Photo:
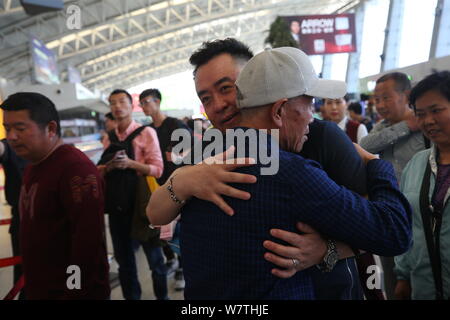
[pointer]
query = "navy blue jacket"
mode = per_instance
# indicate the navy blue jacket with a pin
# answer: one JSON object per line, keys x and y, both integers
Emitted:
{"x": 330, "y": 146}
{"x": 223, "y": 256}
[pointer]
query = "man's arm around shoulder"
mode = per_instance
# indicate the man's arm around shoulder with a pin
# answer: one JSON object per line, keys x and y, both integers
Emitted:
{"x": 381, "y": 225}
{"x": 383, "y": 136}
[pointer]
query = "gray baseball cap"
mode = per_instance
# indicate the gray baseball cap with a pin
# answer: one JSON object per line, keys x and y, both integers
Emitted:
{"x": 279, "y": 73}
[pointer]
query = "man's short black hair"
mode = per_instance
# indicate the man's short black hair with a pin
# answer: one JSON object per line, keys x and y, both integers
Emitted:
{"x": 211, "y": 49}
{"x": 190, "y": 124}
{"x": 355, "y": 107}
{"x": 40, "y": 108}
{"x": 155, "y": 93}
{"x": 348, "y": 97}
{"x": 402, "y": 82}
{"x": 364, "y": 97}
{"x": 117, "y": 91}
{"x": 438, "y": 81}
{"x": 110, "y": 116}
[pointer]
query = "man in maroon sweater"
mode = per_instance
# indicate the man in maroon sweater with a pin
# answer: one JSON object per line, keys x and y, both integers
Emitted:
{"x": 62, "y": 233}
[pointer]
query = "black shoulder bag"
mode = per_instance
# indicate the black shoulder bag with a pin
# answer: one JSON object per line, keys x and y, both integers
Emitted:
{"x": 432, "y": 220}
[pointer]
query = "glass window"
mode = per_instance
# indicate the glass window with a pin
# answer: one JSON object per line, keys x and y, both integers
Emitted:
{"x": 317, "y": 61}
{"x": 339, "y": 63}
{"x": 177, "y": 90}
{"x": 417, "y": 31}
{"x": 375, "y": 19}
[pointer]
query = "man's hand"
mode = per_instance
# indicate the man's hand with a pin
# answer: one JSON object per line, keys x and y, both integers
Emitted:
{"x": 122, "y": 162}
{"x": 402, "y": 290}
{"x": 308, "y": 248}
{"x": 209, "y": 181}
{"x": 204, "y": 181}
{"x": 411, "y": 121}
{"x": 366, "y": 156}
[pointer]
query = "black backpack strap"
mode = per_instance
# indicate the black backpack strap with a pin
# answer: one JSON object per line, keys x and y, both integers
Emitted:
{"x": 426, "y": 141}
{"x": 431, "y": 220}
{"x": 134, "y": 134}
{"x": 128, "y": 141}
{"x": 106, "y": 155}
{"x": 112, "y": 136}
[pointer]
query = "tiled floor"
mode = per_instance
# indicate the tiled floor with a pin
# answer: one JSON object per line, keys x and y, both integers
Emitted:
{"x": 116, "y": 294}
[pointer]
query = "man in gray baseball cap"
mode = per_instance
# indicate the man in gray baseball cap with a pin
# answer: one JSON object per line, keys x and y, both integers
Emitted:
{"x": 283, "y": 78}
{"x": 222, "y": 254}
{"x": 284, "y": 72}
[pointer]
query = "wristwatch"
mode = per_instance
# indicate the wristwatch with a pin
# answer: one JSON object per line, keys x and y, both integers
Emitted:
{"x": 331, "y": 257}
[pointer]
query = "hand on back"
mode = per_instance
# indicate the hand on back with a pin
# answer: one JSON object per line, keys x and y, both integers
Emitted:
{"x": 209, "y": 180}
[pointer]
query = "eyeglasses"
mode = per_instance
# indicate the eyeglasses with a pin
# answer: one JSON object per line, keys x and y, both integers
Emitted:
{"x": 143, "y": 102}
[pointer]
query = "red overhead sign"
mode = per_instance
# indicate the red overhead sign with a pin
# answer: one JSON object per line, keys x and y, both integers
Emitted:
{"x": 324, "y": 34}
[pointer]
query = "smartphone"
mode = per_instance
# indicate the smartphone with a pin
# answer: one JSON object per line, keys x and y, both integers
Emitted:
{"x": 120, "y": 155}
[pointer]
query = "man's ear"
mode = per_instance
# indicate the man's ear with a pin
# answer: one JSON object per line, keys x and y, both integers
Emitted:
{"x": 276, "y": 112}
{"x": 52, "y": 129}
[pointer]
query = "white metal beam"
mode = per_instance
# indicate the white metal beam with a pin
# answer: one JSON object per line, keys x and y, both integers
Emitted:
{"x": 9, "y": 7}
{"x": 440, "y": 44}
{"x": 352, "y": 77}
{"x": 391, "y": 49}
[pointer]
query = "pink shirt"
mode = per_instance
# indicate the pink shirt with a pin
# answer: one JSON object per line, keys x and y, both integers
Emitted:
{"x": 146, "y": 147}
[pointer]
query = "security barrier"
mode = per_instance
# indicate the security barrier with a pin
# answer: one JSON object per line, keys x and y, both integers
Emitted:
{"x": 8, "y": 262}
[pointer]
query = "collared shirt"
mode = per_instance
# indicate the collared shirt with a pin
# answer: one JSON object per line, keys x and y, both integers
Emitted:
{"x": 395, "y": 143}
{"x": 146, "y": 147}
{"x": 228, "y": 252}
{"x": 362, "y": 130}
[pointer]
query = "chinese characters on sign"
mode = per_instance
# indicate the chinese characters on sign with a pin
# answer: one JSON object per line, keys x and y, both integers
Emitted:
{"x": 324, "y": 34}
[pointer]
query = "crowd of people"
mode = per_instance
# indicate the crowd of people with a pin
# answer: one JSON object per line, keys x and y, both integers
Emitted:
{"x": 359, "y": 179}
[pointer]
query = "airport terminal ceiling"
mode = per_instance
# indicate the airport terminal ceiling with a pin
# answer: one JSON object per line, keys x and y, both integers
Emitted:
{"x": 125, "y": 43}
